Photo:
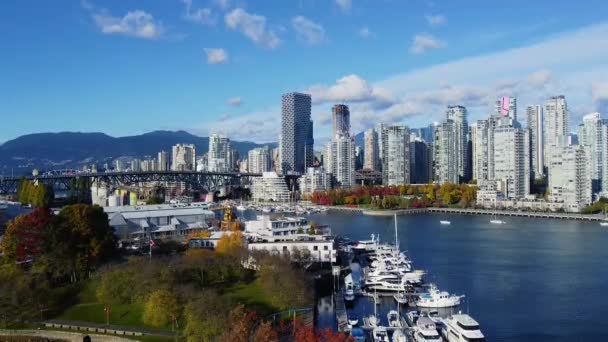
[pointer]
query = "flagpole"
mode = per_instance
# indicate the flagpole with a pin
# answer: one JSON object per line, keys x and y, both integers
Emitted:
{"x": 150, "y": 244}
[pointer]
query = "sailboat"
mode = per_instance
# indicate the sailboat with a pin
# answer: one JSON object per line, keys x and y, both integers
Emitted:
{"x": 373, "y": 320}
{"x": 496, "y": 220}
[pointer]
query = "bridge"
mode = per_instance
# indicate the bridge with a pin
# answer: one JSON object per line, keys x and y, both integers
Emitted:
{"x": 193, "y": 180}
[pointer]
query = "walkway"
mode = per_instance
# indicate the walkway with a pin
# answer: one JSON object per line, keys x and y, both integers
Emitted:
{"x": 105, "y": 329}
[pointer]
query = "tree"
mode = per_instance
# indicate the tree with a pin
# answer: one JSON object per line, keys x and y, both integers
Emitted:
{"x": 26, "y": 235}
{"x": 241, "y": 324}
{"x": 206, "y": 317}
{"x": 231, "y": 243}
{"x": 265, "y": 333}
{"x": 161, "y": 307}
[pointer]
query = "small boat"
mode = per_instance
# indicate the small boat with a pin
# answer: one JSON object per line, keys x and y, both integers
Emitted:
{"x": 241, "y": 208}
{"x": 394, "y": 321}
{"x": 380, "y": 334}
{"x": 497, "y": 222}
{"x": 353, "y": 320}
{"x": 349, "y": 288}
{"x": 426, "y": 331}
{"x": 412, "y": 317}
{"x": 445, "y": 222}
{"x": 401, "y": 298}
{"x": 438, "y": 299}
{"x": 373, "y": 320}
{"x": 461, "y": 327}
{"x": 266, "y": 210}
{"x": 604, "y": 223}
{"x": 399, "y": 336}
{"x": 358, "y": 334}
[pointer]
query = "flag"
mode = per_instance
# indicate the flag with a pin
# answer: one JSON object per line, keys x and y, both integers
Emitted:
{"x": 152, "y": 244}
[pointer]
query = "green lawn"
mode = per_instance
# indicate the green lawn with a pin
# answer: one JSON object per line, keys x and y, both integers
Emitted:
{"x": 251, "y": 295}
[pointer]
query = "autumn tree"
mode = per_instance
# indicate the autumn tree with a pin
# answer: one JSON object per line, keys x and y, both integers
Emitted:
{"x": 206, "y": 317}
{"x": 230, "y": 243}
{"x": 26, "y": 235}
{"x": 241, "y": 324}
{"x": 265, "y": 333}
{"x": 160, "y": 308}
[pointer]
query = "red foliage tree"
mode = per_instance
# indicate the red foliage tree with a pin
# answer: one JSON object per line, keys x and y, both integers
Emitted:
{"x": 25, "y": 235}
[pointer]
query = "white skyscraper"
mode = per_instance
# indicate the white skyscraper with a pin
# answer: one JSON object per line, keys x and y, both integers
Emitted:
{"x": 480, "y": 143}
{"x": 218, "y": 159}
{"x": 259, "y": 160}
{"x": 445, "y": 151}
{"x": 381, "y": 131}
{"x": 343, "y": 160}
{"x": 315, "y": 179}
{"x": 593, "y": 139}
{"x": 184, "y": 157}
{"x": 398, "y": 156}
{"x": 458, "y": 115}
{"x": 506, "y": 106}
{"x": 163, "y": 161}
{"x": 534, "y": 116}
{"x": 556, "y": 123}
{"x": 371, "y": 158}
{"x": 512, "y": 161}
{"x": 569, "y": 180}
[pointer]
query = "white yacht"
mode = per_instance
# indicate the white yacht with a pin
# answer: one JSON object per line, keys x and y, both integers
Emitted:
{"x": 462, "y": 328}
{"x": 380, "y": 334}
{"x": 394, "y": 319}
{"x": 241, "y": 207}
{"x": 604, "y": 223}
{"x": 399, "y": 336}
{"x": 401, "y": 298}
{"x": 353, "y": 320}
{"x": 445, "y": 222}
{"x": 349, "y": 288}
{"x": 365, "y": 246}
{"x": 497, "y": 222}
{"x": 438, "y": 299}
{"x": 412, "y": 317}
{"x": 267, "y": 210}
{"x": 425, "y": 330}
{"x": 393, "y": 285}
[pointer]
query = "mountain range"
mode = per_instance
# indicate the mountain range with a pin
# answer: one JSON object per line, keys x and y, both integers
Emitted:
{"x": 72, "y": 150}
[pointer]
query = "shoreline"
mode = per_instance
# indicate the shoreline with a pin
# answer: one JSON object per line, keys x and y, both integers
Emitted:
{"x": 563, "y": 216}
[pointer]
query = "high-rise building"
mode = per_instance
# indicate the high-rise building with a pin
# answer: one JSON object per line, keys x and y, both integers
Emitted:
{"x": 163, "y": 161}
{"x": 480, "y": 142}
{"x": 512, "y": 161}
{"x": 556, "y": 123}
{"x": 343, "y": 160}
{"x": 398, "y": 156}
{"x": 534, "y": 117}
{"x": 341, "y": 119}
{"x": 506, "y": 106}
{"x": 445, "y": 153}
{"x": 569, "y": 180}
{"x": 219, "y": 158}
{"x": 184, "y": 157}
{"x": 315, "y": 179}
{"x": 259, "y": 160}
{"x": 420, "y": 160}
{"x": 458, "y": 115}
{"x": 296, "y": 138}
{"x": 593, "y": 138}
{"x": 371, "y": 158}
{"x": 382, "y": 132}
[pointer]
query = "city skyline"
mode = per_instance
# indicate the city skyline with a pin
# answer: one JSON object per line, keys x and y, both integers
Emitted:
{"x": 426, "y": 64}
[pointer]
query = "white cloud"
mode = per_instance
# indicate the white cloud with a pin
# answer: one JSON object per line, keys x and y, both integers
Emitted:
{"x": 216, "y": 55}
{"x": 136, "y": 23}
{"x": 424, "y": 42}
{"x": 223, "y": 4}
{"x": 540, "y": 78}
{"x": 435, "y": 20}
{"x": 344, "y": 5}
{"x": 253, "y": 26}
{"x": 308, "y": 30}
{"x": 351, "y": 88}
{"x": 365, "y": 33}
{"x": 199, "y": 15}
{"x": 235, "y": 101}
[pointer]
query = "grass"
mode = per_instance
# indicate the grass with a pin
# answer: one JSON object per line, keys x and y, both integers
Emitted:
{"x": 252, "y": 295}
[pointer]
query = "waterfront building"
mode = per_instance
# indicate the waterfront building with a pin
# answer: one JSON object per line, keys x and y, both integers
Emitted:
{"x": 315, "y": 179}
{"x": 371, "y": 158}
{"x": 512, "y": 161}
{"x": 341, "y": 119}
{"x": 259, "y": 160}
{"x": 445, "y": 153}
{"x": 184, "y": 157}
{"x": 218, "y": 157}
{"x": 458, "y": 115}
{"x": 534, "y": 116}
{"x": 556, "y": 123}
{"x": 420, "y": 160}
{"x": 342, "y": 155}
{"x": 398, "y": 156}
{"x": 163, "y": 161}
{"x": 594, "y": 141}
{"x": 296, "y": 140}
{"x": 569, "y": 177}
{"x": 270, "y": 187}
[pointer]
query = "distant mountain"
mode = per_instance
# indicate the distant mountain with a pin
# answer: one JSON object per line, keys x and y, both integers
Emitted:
{"x": 73, "y": 150}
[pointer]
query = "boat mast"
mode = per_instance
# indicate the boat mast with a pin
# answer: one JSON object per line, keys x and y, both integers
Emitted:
{"x": 396, "y": 241}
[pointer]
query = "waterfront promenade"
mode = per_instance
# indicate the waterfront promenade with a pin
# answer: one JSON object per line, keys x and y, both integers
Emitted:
{"x": 461, "y": 211}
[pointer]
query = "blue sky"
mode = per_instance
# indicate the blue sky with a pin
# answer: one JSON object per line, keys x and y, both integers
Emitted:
{"x": 130, "y": 66}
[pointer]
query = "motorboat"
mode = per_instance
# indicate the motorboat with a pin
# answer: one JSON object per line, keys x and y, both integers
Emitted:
{"x": 380, "y": 334}
{"x": 412, "y": 316}
{"x": 241, "y": 207}
{"x": 349, "y": 288}
{"x": 438, "y": 299}
{"x": 445, "y": 222}
{"x": 604, "y": 223}
{"x": 394, "y": 320}
{"x": 358, "y": 334}
{"x": 373, "y": 320}
{"x": 425, "y": 330}
{"x": 399, "y": 336}
{"x": 365, "y": 246}
{"x": 401, "y": 298}
{"x": 267, "y": 210}
{"x": 393, "y": 285}
{"x": 461, "y": 328}
{"x": 353, "y": 320}
{"x": 497, "y": 222}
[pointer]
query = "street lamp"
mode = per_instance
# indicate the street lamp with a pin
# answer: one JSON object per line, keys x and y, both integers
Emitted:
{"x": 107, "y": 310}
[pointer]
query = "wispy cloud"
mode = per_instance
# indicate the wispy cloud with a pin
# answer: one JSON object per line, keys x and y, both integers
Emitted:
{"x": 424, "y": 42}
{"x": 344, "y": 5}
{"x": 366, "y": 33}
{"x": 308, "y": 30}
{"x": 253, "y": 26}
{"x": 351, "y": 88}
{"x": 436, "y": 20}
{"x": 202, "y": 16}
{"x": 138, "y": 23}
{"x": 235, "y": 101}
{"x": 216, "y": 56}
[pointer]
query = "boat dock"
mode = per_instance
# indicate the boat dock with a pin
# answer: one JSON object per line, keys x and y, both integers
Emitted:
{"x": 463, "y": 211}
{"x": 341, "y": 315}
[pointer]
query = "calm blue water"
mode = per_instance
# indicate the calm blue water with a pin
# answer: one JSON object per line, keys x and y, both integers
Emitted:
{"x": 526, "y": 280}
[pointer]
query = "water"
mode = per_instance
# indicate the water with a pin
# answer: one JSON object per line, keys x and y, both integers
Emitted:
{"x": 526, "y": 280}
